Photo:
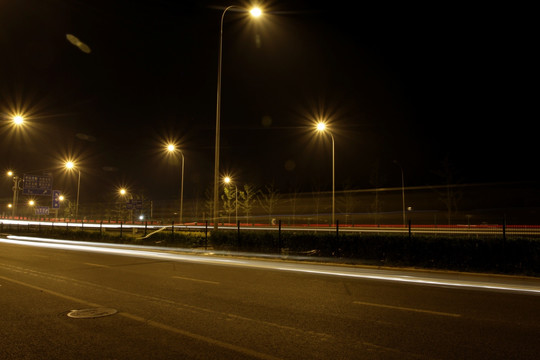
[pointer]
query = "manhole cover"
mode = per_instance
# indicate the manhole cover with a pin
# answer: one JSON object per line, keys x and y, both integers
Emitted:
{"x": 91, "y": 313}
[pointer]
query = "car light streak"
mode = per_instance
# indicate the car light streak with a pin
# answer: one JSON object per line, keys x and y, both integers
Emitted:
{"x": 77, "y": 224}
{"x": 340, "y": 271}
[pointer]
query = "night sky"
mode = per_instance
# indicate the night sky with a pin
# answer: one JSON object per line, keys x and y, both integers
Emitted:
{"x": 413, "y": 83}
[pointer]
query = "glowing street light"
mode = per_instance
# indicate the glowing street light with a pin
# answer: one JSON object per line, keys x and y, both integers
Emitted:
{"x": 321, "y": 127}
{"x": 18, "y": 119}
{"x": 70, "y": 165}
{"x": 255, "y": 12}
{"x": 172, "y": 148}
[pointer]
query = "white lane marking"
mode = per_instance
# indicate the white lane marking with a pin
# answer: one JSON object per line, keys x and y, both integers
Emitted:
{"x": 407, "y": 309}
{"x": 196, "y": 280}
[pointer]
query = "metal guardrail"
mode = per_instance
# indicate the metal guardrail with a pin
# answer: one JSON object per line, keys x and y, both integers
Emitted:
{"x": 150, "y": 228}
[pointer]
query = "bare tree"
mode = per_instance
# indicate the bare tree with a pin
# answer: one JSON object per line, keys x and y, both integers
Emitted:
{"x": 229, "y": 201}
{"x": 246, "y": 199}
{"x": 268, "y": 199}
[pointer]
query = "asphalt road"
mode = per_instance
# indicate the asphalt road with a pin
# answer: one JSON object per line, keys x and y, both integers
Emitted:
{"x": 176, "y": 306}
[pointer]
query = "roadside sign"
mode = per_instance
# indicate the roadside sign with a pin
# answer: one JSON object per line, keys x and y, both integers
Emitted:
{"x": 42, "y": 210}
{"x": 37, "y": 185}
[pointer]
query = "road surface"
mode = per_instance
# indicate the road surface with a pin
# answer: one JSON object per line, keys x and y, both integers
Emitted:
{"x": 137, "y": 303}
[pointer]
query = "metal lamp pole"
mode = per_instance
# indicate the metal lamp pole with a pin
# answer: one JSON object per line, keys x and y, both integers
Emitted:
{"x": 254, "y": 12}
{"x": 182, "y": 188}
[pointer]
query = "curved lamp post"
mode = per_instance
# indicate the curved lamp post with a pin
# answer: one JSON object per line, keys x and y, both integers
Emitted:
{"x": 172, "y": 148}
{"x": 321, "y": 127}
{"x": 255, "y": 12}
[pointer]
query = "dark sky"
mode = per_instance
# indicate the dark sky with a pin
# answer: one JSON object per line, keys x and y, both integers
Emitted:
{"x": 414, "y": 83}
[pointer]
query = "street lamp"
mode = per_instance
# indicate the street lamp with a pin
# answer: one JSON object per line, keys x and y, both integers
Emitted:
{"x": 172, "y": 148}
{"x": 321, "y": 127}
{"x": 402, "y": 191}
{"x": 18, "y": 119}
{"x": 71, "y": 165}
{"x": 227, "y": 180}
{"x": 255, "y": 12}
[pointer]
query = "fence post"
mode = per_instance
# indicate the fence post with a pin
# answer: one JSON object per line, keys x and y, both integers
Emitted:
{"x": 410, "y": 232}
{"x": 172, "y": 230}
{"x": 337, "y": 229}
{"x": 121, "y": 223}
{"x": 145, "y": 227}
{"x": 101, "y": 229}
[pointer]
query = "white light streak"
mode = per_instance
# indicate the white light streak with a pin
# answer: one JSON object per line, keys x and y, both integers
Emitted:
{"x": 339, "y": 271}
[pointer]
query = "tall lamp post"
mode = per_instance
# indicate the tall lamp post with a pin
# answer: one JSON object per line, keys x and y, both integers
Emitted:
{"x": 402, "y": 191}
{"x": 172, "y": 148}
{"x": 255, "y": 12}
{"x": 321, "y": 127}
{"x": 71, "y": 165}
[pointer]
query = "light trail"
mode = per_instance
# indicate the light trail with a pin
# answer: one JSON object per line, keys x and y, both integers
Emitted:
{"x": 411, "y": 277}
